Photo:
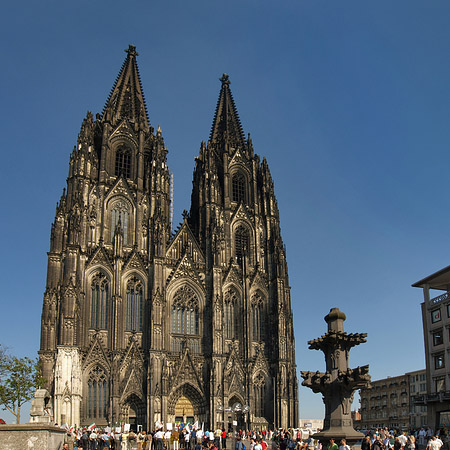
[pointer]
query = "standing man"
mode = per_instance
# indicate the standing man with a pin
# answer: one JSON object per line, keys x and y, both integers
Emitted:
{"x": 332, "y": 445}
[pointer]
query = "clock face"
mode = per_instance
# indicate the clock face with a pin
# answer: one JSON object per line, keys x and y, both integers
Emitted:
{"x": 436, "y": 315}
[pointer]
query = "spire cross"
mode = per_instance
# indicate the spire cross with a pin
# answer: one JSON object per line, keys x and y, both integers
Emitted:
{"x": 225, "y": 79}
{"x": 131, "y": 50}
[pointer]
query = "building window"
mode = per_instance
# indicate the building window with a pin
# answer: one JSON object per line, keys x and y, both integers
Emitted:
{"x": 448, "y": 310}
{"x": 230, "y": 307}
{"x": 123, "y": 162}
{"x": 120, "y": 212}
{"x": 259, "y": 394}
{"x": 413, "y": 389}
{"x": 423, "y": 387}
{"x": 439, "y": 361}
{"x": 98, "y": 394}
{"x": 436, "y": 316}
{"x": 99, "y": 301}
{"x": 185, "y": 311}
{"x": 241, "y": 242}
{"x": 238, "y": 188}
{"x": 257, "y": 318}
{"x": 437, "y": 337}
{"x": 135, "y": 302}
{"x": 440, "y": 384}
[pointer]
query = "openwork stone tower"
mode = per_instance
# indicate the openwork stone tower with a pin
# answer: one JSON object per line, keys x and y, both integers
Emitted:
{"x": 141, "y": 324}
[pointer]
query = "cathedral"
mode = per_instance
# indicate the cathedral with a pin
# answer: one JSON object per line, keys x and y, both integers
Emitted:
{"x": 141, "y": 323}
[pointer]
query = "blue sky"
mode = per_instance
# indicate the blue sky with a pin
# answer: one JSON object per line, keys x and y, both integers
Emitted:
{"x": 348, "y": 101}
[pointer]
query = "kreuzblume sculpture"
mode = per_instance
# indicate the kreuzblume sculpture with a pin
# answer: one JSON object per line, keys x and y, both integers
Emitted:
{"x": 338, "y": 383}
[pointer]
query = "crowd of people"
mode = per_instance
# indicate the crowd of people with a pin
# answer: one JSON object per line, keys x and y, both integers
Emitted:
{"x": 384, "y": 439}
{"x": 194, "y": 438}
{"x": 180, "y": 438}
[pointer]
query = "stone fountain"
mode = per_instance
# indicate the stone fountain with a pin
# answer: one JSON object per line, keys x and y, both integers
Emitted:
{"x": 338, "y": 384}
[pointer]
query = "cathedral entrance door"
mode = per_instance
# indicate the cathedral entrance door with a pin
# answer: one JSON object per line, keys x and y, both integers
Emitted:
{"x": 184, "y": 411}
{"x": 132, "y": 419}
{"x": 134, "y": 412}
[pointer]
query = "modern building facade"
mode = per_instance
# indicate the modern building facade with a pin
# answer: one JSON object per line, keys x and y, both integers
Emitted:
{"x": 390, "y": 402}
{"x": 140, "y": 324}
{"x": 418, "y": 388}
{"x": 386, "y": 403}
{"x": 436, "y": 329}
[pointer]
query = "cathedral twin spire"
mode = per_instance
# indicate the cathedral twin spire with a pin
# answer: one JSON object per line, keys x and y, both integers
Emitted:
{"x": 226, "y": 128}
{"x": 126, "y": 99}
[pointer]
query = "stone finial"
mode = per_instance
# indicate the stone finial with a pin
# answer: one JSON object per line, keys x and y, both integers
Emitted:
{"x": 335, "y": 320}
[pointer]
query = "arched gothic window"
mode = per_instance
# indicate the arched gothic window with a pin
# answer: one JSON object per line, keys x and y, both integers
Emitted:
{"x": 99, "y": 301}
{"x": 120, "y": 212}
{"x": 241, "y": 242}
{"x": 230, "y": 312}
{"x": 238, "y": 187}
{"x": 185, "y": 311}
{"x": 135, "y": 303}
{"x": 98, "y": 394}
{"x": 259, "y": 390}
{"x": 123, "y": 162}
{"x": 257, "y": 318}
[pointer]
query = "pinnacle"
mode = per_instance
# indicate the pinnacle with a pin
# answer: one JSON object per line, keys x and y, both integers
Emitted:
{"x": 227, "y": 128}
{"x": 126, "y": 99}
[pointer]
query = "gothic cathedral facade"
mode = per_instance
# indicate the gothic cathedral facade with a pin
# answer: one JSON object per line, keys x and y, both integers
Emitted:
{"x": 141, "y": 324}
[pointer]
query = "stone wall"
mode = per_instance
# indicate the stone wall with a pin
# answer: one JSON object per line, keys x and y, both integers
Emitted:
{"x": 31, "y": 436}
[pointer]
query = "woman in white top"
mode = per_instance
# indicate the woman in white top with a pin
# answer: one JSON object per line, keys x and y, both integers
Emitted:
{"x": 344, "y": 445}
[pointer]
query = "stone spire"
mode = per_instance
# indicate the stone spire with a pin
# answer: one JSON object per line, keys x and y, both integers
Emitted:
{"x": 126, "y": 99}
{"x": 226, "y": 128}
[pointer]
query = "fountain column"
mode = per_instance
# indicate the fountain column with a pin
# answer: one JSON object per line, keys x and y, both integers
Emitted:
{"x": 338, "y": 384}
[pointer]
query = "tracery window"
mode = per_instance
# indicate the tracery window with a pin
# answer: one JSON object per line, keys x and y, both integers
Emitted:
{"x": 99, "y": 301}
{"x": 230, "y": 309}
{"x": 241, "y": 242}
{"x": 123, "y": 162}
{"x": 259, "y": 390}
{"x": 185, "y": 311}
{"x": 120, "y": 212}
{"x": 238, "y": 187}
{"x": 135, "y": 303}
{"x": 257, "y": 318}
{"x": 98, "y": 393}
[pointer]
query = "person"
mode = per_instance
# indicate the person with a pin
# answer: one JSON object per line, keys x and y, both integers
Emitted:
{"x": 332, "y": 445}
{"x": 167, "y": 436}
{"x": 175, "y": 438}
{"x": 403, "y": 439}
{"x": 343, "y": 445}
{"x": 224, "y": 439}
{"x": 377, "y": 444}
{"x": 125, "y": 441}
{"x": 159, "y": 436}
{"x": 412, "y": 442}
{"x": 93, "y": 443}
{"x": 258, "y": 445}
{"x": 239, "y": 444}
{"x": 217, "y": 436}
{"x": 66, "y": 446}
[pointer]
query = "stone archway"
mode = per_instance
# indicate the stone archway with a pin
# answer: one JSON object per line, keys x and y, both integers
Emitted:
{"x": 186, "y": 404}
{"x": 133, "y": 411}
{"x": 238, "y": 416}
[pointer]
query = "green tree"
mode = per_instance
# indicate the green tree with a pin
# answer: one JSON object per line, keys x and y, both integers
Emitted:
{"x": 19, "y": 378}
